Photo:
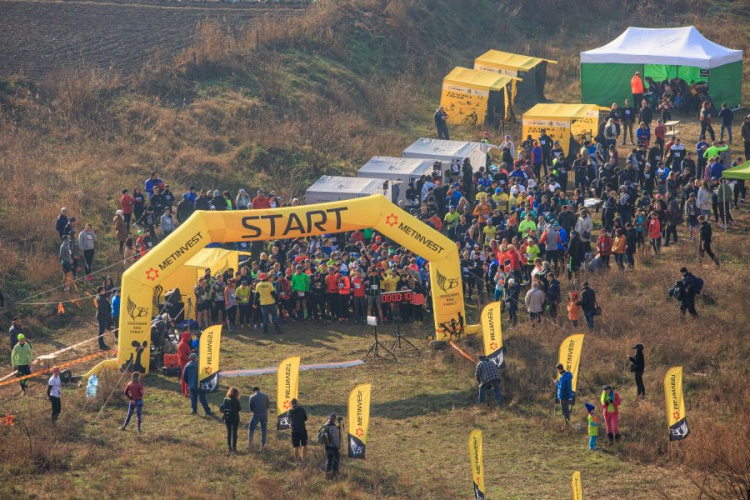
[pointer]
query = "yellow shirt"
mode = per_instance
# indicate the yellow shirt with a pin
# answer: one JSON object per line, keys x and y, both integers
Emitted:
{"x": 489, "y": 232}
{"x": 390, "y": 283}
{"x": 266, "y": 290}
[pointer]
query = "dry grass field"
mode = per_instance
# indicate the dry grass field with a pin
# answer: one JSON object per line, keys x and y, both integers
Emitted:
{"x": 323, "y": 93}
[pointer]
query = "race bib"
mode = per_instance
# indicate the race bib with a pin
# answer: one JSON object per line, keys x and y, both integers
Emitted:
{"x": 374, "y": 287}
{"x": 300, "y": 294}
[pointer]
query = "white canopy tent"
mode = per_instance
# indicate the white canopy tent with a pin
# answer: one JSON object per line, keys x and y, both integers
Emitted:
{"x": 445, "y": 151}
{"x": 660, "y": 53}
{"x": 400, "y": 170}
{"x": 335, "y": 188}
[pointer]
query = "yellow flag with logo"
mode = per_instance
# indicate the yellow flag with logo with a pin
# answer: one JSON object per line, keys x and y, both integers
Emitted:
{"x": 570, "y": 356}
{"x": 577, "y": 488}
{"x": 492, "y": 332}
{"x": 287, "y": 388}
{"x": 477, "y": 463}
{"x": 208, "y": 358}
{"x": 678, "y": 427}
{"x": 359, "y": 420}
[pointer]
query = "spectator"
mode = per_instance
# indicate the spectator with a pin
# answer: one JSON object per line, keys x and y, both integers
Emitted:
{"x": 564, "y": 391}
{"x": 127, "y": 203}
{"x": 588, "y": 304}
{"x": 166, "y": 222}
{"x": 243, "y": 200}
{"x": 265, "y": 297}
{"x": 129, "y": 253}
{"x": 690, "y": 288}
{"x": 261, "y": 201}
{"x": 103, "y": 310}
{"x": 636, "y": 87}
{"x": 183, "y": 358}
{"x": 298, "y": 417}
{"x": 190, "y": 376}
{"x": 745, "y": 132}
{"x": 593, "y": 428}
{"x": 139, "y": 204}
{"x": 185, "y": 208}
{"x": 727, "y": 117}
{"x": 115, "y": 311}
{"x": 54, "y": 393}
{"x": 645, "y": 115}
{"x": 20, "y": 359}
{"x": 535, "y": 302}
{"x": 15, "y": 330}
{"x": 258, "y": 405}
{"x": 332, "y": 447}
{"x": 62, "y": 222}
{"x": 628, "y": 119}
{"x": 134, "y": 391}
{"x": 152, "y": 182}
{"x": 706, "y": 234}
{"x": 121, "y": 229}
{"x": 87, "y": 240}
{"x": 638, "y": 366}
{"x": 441, "y": 124}
{"x": 705, "y": 120}
{"x": 610, "y": 400}
{"x": 488, "y": 377}
{"x": 230, "y": 409}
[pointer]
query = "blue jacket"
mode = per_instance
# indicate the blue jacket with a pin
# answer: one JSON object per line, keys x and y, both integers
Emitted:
{"x": 190, "y": 375}
{"x": 716, "y": 170}
{"x": 564, "y": 386}
{"x": 115, "y": 303}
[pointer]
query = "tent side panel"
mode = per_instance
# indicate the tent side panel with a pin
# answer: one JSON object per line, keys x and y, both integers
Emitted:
{"x": 540, "y": 79}
{"x": 604, "y": 84}
{"x": 725, "y": 84}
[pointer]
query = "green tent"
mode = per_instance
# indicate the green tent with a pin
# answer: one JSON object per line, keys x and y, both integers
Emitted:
{"x": 738, "y": 172}
{"x": 661, "y": 54}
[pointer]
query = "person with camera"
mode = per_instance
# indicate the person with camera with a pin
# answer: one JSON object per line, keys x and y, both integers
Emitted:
{"x": 685, "y": 290}
{"x": 333, "y": 445}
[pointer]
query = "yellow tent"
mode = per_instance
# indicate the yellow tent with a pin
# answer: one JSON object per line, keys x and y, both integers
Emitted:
{"x": 566, "y": 123}
{"x": 185, "y": 278}
{"x": 473, "y": 97}
{"x": 533, "y": 71}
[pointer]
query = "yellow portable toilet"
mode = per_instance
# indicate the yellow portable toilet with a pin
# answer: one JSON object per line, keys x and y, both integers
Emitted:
{"x": 476, "y": 98}
{"x": 570, "y": 124}
{"x": 531, "y": 70}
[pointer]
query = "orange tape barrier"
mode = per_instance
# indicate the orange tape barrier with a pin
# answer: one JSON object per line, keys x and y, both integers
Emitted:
{"x": 61, "y": 366}
{"x": 463, "y": 353}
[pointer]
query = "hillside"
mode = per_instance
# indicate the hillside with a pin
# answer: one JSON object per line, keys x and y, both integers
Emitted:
{"x": 325, "y": 90}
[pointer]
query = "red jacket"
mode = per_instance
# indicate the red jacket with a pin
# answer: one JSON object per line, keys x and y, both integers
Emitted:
{"x": 183, "y": 350}
{"x": 127, "y": 202}
{"x": 604, "y": 245}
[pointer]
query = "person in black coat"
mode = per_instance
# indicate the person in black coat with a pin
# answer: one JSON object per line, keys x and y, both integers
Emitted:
{"x": 230, "y": 410}
{"x": 588, "y": 304}
{"x": 103, "y": 317}
{"x": 631, "y": 244}
{"x": 637, "y": 366}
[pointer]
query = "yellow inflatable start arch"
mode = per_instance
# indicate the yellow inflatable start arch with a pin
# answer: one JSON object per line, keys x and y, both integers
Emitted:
{"x": 203, "y": 227}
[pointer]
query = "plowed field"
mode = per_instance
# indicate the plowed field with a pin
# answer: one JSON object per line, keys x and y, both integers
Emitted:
{"x": 38, "y": 37}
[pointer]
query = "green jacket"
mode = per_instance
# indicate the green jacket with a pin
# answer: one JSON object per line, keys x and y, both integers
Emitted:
{"x": 724, "y": 193}
{"x": 714, "y": 151}
{"x": 593, "y": 425}
{"x": 300, "y": 282}
{"x": 21, "y": 355}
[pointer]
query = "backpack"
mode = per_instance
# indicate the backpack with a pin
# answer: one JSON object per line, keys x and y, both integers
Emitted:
{"x": 227, "y": 410}
{"x": 697, "y": 285}
{"x": 323, "y": 437}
